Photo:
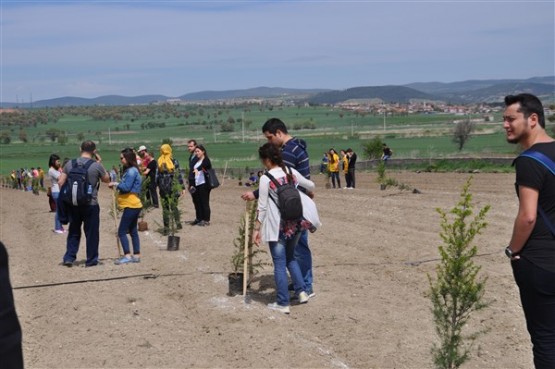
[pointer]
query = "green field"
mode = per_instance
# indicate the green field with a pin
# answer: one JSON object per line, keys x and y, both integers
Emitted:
{"x": 410, "y": 136}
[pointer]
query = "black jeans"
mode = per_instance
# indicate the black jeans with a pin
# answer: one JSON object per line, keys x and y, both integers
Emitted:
{"x": 87, "y": 216}
{"x": 201, "y": 199}
{"x": 352, "y": 177}
{"x": 152, "y": 194}
{"x": 537, "y": 294}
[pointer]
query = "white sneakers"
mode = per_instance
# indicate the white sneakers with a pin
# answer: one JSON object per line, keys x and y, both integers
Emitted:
{"x": 303, "y": 297}
{"x": 281, "y": 309}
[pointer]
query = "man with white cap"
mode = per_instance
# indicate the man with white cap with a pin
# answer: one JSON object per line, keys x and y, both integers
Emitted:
{"x": 150, "y": 169}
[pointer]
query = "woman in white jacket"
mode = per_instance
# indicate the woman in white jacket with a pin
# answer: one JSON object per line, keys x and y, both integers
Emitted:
{"x": 282, "y": 236}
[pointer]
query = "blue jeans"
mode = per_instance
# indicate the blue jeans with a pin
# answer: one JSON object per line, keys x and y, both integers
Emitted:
{"x": 57, "y": 224}
{"x": 283, "y": 256}
{"x": 304, "y": 259}
{"x": 537, "y": 294}
{"x": 335, "y": 176}
{"x": 128, "y": 224}
{"x": 89, "y": 217}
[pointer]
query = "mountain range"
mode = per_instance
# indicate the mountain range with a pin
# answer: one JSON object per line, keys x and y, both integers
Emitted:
{"x": 463, "y": 92}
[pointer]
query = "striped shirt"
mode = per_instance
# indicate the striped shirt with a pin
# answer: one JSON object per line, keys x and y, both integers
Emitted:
{"x": 295, "y": 156}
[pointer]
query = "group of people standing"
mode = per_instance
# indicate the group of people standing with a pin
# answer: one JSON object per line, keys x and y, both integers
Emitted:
{"x": 165, "y": 186}
{"x": 333, "y": 163}
{"x": 27, "y": 179}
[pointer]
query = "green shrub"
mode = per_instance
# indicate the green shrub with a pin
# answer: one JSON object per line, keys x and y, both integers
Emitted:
{"x": 457, "y": 290}
{"x": 373, "y": 149}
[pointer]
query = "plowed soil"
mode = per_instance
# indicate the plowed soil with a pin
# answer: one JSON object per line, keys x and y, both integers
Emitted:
{"x": 371, "y": 261}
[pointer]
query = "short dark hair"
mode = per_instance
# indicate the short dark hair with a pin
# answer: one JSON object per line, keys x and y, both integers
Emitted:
{"x": 88, "y": 146}
{"x": 193, "y": 142}
{"x": 529, "y": 104}
{"x": 273, "y": 125}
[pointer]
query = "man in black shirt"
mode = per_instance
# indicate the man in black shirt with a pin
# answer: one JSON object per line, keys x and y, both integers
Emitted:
{"x": 352, "y": 157}
{"x": 11, "y": 354}
{"x": 532, "y": 245}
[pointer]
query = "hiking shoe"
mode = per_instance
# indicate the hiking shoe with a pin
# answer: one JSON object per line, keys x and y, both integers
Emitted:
{"x": 123, "y": 260}
{"x": 195, "y": 222}
{"x": 281, "y": 309}
{"x": 135, "y": 259}
{"x": 67, "y": 263}
{"x": 303, "y": 297}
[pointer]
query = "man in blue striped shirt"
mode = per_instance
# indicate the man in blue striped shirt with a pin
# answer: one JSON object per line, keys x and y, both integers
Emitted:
{"x": 294, "y": 154}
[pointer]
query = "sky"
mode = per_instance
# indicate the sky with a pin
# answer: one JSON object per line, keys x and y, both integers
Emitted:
{"x": 53, "y": 49}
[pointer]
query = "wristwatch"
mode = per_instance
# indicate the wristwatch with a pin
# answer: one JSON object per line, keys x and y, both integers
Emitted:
{"x": 510, "y": 252}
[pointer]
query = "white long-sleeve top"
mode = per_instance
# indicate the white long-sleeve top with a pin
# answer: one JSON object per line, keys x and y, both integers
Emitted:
{"x": 268, "y": 212}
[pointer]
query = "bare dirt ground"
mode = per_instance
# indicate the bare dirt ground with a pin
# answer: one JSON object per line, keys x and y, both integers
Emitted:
{"x": 370, "y": 311}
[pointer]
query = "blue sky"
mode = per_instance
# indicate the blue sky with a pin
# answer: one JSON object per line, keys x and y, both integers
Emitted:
{"x": 91, "y": 48}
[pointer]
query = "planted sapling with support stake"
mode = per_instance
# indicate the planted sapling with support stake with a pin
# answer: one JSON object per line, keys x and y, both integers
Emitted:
{"x": 457, "y": 290}
{"x": 244, "y": 239}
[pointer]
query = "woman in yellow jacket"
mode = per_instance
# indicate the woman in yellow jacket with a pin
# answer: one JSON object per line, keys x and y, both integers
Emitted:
{"x": 333, "y": 164}
{"x": 128, "y": 199}
{"x": 345, "y": 167}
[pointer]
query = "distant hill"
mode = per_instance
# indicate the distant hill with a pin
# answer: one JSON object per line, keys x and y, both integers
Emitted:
{"x": 497, "y": 93}
{"x": 471, "y": 91}
{"x": 257, "y": 92}
{"x": 102, "y": 100}
{"x": 389, "y": 94}
{"x": 471, "y": 85}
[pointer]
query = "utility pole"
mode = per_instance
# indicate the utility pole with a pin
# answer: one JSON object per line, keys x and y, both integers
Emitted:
{"x": 384, "y": 117}
{"x": 243, "y": 125}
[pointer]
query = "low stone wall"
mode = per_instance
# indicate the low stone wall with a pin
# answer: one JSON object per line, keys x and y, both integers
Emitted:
{"x": 371, "y": 164}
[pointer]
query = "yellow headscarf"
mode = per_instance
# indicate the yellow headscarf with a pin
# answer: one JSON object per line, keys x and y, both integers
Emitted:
{"x": 165, "y": 161}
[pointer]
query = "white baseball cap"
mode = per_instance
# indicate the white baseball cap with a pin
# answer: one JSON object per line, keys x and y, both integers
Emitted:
{"x": 142, "y": 148}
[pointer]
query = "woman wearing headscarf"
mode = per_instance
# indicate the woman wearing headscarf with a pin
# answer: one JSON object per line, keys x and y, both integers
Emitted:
{"x": 171, "y": 185}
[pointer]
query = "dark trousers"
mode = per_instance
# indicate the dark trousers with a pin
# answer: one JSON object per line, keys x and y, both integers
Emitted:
{"x": 537, "y": 294}
{"x": 201, "y": 200}
{"x": 89, "y": 217}
{"x": 128, "y": 224}
{"x": 152, "y": 194}
{"x": 334, "y": 176}
{"x": 11, "y": 352}
{"x": 351, "y": 174}
{"x": 347, "y": 180}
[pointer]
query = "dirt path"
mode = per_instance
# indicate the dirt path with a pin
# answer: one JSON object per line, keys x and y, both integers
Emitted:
{"x": 371, "y": 260}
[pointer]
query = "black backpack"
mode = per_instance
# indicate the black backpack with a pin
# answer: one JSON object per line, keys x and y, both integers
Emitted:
{"x": 288, "y": 197}
{"x": 165, "y": 182}
{"x": 77, "y": 189}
